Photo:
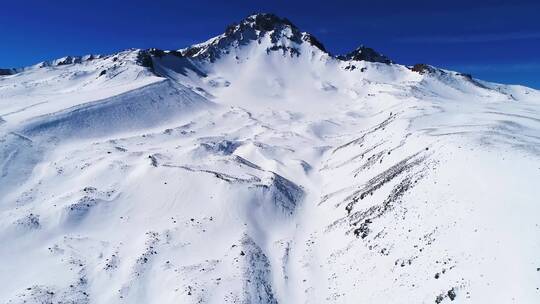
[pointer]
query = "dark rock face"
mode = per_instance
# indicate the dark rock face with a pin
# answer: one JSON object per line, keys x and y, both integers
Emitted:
{"x": 144, "y": 58}
{"x": 423, "y": 68}
{"x": 266, "y": 22}
{"x": 444, "y": 76}
{"x": 254, "y": 28}
{"x": 257, "y": 274}
{"x": 467, "y": 76}
{"x": 70, "y": 60}
{"x": 4, "y": 72}
{"x": 366, "y": 54}
{"x": 59, "y": 62}
{"x": 313, "y": 41}
{"x": 285, "y": 194}
{"x": 174, "y": 59}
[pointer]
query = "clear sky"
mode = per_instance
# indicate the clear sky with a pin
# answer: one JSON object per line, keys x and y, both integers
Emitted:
{"x": 492, "y": 39}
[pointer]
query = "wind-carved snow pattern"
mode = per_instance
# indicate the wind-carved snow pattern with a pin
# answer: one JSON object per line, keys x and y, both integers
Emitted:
{"x": 258, "y": 168}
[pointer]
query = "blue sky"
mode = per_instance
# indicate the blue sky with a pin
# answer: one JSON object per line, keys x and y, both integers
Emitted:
{"x": 491, "y": 39}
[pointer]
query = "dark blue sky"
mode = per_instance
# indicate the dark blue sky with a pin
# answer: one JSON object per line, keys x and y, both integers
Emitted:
{"x": 491, "y": 39}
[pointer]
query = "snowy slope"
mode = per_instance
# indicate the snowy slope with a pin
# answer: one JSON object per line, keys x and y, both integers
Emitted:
{"x": 257, "y": 168}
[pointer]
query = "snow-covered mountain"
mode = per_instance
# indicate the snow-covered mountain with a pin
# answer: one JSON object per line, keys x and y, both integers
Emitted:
{"x": 258, "y": 168}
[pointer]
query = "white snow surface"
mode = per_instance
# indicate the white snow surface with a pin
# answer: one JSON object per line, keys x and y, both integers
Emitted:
{"x": 266, "y": 177}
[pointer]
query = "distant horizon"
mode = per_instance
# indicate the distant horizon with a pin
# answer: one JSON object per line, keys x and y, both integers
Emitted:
{"x": 480, "y": 38}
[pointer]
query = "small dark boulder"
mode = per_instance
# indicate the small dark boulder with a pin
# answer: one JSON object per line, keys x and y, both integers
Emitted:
{"x": 451, "y": 294}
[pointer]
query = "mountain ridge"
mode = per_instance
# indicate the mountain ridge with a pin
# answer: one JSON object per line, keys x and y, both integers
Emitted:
{"x": 251, "y": 28}
{"x": 248, "y": 29}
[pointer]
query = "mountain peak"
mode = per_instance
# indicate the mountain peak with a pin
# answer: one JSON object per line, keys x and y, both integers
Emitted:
{"x": 264, "y": 22}
{"x": 366, "y": 54}
{"x": 283, "y": 36}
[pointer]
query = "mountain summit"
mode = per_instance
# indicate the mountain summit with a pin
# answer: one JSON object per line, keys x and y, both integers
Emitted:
{"x": 282, "y": 35}
{"x": 267, "y": 31}
{"x": 363, "y": 53}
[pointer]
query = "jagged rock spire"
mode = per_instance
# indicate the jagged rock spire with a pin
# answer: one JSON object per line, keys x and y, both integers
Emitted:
{"x": 366, "y": 54}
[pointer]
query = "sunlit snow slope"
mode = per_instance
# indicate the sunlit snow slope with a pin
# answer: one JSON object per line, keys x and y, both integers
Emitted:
{"x": 257, "y": 168}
